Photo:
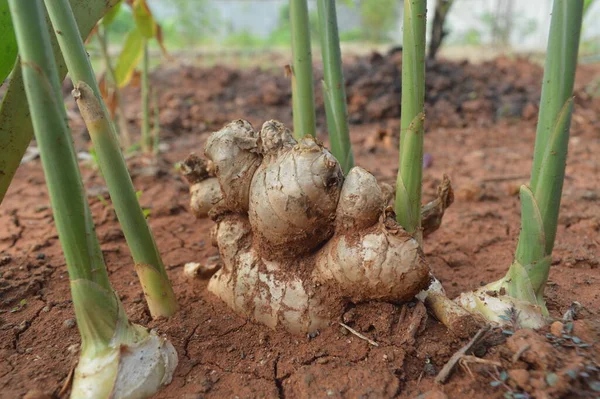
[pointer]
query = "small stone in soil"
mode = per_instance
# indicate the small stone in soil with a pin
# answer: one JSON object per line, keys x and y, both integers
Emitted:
{"x": 69, "y": 323}
{"x": 73, "y": 348}
{"x": 22, "y": 326}
{"x": 5, "y": 260}
{"x": 557, "y": 328}
{"x": 429, "y": 368}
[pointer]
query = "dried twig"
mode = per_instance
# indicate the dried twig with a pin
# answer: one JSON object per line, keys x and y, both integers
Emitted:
{"x": 359, "y": 335}
{"x": 445, "y": 372}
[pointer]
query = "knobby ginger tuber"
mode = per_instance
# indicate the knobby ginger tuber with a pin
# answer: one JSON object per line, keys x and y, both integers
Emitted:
{"x": 298, "y": 241}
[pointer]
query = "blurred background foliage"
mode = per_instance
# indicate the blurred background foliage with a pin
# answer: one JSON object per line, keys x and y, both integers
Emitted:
{"x": 264, "y": 24}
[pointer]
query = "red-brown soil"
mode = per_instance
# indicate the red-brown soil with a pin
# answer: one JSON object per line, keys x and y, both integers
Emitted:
{"x": 485, "y": 151}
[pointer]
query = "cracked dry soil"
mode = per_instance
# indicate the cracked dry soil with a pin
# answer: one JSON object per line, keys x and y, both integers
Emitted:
{"x": 224, "y": 356}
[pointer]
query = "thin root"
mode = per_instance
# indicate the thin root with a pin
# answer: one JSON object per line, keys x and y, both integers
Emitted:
{"x": 359, "y": 335}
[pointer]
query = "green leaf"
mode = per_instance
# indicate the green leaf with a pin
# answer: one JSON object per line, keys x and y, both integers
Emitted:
{"x": 8, "y": 43}
{"x": 144, "y": 19}
{"x": 111, "y": 15}
{"x": 16, "y": 129}
{"x": 130, "y": 57}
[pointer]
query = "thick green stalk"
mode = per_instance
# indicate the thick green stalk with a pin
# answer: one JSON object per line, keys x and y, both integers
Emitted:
{"x": 16, "y": 129}
{"x": 334, "y": 92}
{"x": 408, "y": 188}
{"x": 146, "y": 136}
{"x": 303, "y": 102}
{"x": 557, "y": 88}
{"x": 121, "y": 118}
{"x": 155, "y": 283}
{"x": 71, "y": 211}
{"x": 552, "y": 139}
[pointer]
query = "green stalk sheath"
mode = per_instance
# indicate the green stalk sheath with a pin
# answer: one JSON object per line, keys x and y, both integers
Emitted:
{"x": 121, "y": 119}
{"x": 334, "y": 92}
{"x": 155, "y": 283}
{"x": 16, "y": 129}
{"x": 408, "y": 188}
{"x": 69, "y": 205}
{"x": 557, "y": 88}
{"x": 146, "y": 136}
{"x": 303, "y": 102}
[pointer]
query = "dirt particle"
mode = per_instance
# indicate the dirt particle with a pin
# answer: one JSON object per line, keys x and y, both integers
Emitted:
{"x": 22, "y": 326}
{"x": 72, "y": 349}
{"x": 538, "y": 383}
{"x": 5, "y": 260}
{"x": 540, "y": 353}
{"x": 69, "y": 323}
{"x": 204, "y": 271}
{"x": 557, "y": 328}
{"x": 434, "y": 394}
{"x": 520, "y": 378}
{"x": 429, "y": 368}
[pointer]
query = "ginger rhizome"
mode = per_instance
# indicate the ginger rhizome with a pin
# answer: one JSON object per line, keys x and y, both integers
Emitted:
{"x": 297, "y": 239}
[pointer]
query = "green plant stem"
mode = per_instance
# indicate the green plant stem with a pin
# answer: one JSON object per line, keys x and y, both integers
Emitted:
{"x": 303, "y": 102}
{"x": 16, "y": 129}
{"x": 408, "y": 188}
{"x": 521, "y": 291}
{"x": 541, "y": 202}
{"x": 72, "y": 215}
{"x": 334, "y": 92}
{"x": 155, "y": 283}
{"x": 146, "y": 136}
{"x": 557, "y": 88}
{"x": 156, "y": 127}
{"x": 121, "y": 118}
